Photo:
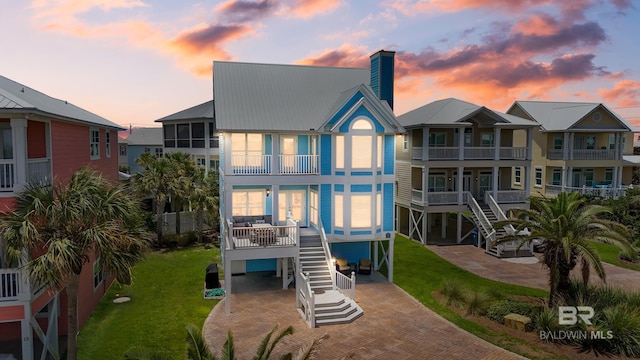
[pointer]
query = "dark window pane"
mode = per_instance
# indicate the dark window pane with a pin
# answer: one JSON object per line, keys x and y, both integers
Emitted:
{"x": 183, "y": 143}
{"x": 214, "y": 143}
{"x": 197, "y": 143}
{"x": 197, "y": 130}
{"x": 169, "y": 135}
{"x": 183, "y": 131}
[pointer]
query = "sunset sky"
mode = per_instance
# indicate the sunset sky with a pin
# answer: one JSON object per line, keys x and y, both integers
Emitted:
{"x": 134, "y": 61}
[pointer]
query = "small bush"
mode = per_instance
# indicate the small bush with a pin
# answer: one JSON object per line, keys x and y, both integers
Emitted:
{"x": 453, "y": 293}
{"x": 499, "y": 309}
{"x": 625, "y": 327}
{"x": 598, "y": 297}
{"x": 477, "y": 304}
{"x": 494, "y": 294}
{"x": 546, "y": 320}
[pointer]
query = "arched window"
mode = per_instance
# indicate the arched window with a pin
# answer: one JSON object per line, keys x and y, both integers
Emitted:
{"x": 362, "y": 125}
{"x": 362, "y": 144}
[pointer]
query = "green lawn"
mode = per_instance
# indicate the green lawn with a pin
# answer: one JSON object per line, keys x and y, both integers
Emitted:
{"x": 166, "y": 296}
{"x": 420, "y": 272}
{"x": 609, "y": 254}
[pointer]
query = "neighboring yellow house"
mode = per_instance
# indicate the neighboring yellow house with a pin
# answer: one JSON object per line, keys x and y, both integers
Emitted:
{"x": 582, "y": 147}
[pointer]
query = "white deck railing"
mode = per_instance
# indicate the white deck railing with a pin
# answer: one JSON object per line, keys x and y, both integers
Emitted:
{"x": 416, "y": 196}
{"x": 442, "y": 198}
{"x": 603, "y": 192}
{"x": 6, "y": 175}
{"x": 509, "y": 196}
{"x": 39, "y": 171}
{"x": 247, "y": 237}
{"x": 305, "y": 300}
{"x": 327, "y": 251}
{"x": 444, "y": 153}
{"x": 251, "y": 164}
{"x": 416, "y": 153}
{"x": 479, "y": 153}
{"x": 583, "y": 154}
{"x": 13, "y": 284}
{"x": 513, "y": 153}
{"x": 346, "y": 284}
{"x": 298, "y": 164}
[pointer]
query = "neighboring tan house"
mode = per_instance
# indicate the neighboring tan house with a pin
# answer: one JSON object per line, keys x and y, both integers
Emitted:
{"x": 581, "y": 147}
{"x": 140, "y": 141}
{"x": 46, "y": 140}
{"x": 193, "y": 131}
{"x": 307, "y": 174}
{"x": 454, "y": 173}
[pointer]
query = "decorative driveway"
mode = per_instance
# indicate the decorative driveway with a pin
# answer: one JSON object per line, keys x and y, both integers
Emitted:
{"x": 394, "y": 326}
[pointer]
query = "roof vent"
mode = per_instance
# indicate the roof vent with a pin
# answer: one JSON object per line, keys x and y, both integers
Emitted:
{"x": 597, "y": 117}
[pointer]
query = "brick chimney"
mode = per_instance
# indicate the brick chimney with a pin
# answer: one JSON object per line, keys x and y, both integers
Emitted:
{"x": 382, "y": 75}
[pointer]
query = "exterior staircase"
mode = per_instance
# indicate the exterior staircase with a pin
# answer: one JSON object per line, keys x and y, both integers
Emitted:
{"x": 331, "y": 306}
{"x": 492, "y": 220}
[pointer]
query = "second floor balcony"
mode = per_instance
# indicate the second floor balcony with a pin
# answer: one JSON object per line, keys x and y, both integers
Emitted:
{"x": 470, "y": 153}
{"x": 38, "y": 171}
{"x": 583, "y": 154}
{"x": 263, "y": 164}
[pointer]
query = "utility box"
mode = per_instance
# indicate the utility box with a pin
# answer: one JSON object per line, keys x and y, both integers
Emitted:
{"x": 212, "y": 280}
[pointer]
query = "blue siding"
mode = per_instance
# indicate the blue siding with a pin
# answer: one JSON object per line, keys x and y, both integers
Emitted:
{"x": 314, "y": 187}
{"x": 339, "y": 173}
{"x": 375, "y": 75}
{"x": 347, "y": 106}
{"x": 339, "y": 232}
{"x": 362, "y": 188}
{"x": 303, "y": 145}
{"x": 386, "y": 79}
{"x": 325, "y": 154}
{"x": 378, "y": 187}
{"x": 360, "y": 232}
{"x": 325, "y": 207}
{"x": 134, "y": 152}
{"x": 387, "y": 207}
{"x": 268, "y": 146}
{"x": 361, "y": 111}
{"x": 338, "y": 187}
{"x": 352, "y": 251}
{"x": 361, "y": 173}
{"x": 389, "y": 148}
{"x": 261, "y": 265}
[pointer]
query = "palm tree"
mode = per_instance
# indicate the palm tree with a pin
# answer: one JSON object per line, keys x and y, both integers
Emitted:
{"x": 180, "y": 181}
{"x": 154, "y": 180}
{"x": 569, "y": 226}
{"x": 204, "y": 199}
{"x": 69, "y": 225}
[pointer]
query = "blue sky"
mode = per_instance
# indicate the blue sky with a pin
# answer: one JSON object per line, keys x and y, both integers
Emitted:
{"x": 134, "y": 61}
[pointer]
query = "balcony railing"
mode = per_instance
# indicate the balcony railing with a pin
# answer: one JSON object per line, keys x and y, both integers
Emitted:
{"x": 444, "y": 153}
{"x": 479, "y": 153}
{"x": 509, "y": 196}
{"x": 13, "y": 284}
{"x": 7, "y": 177}
{"x": 603, "y": 192}
{"x": 416, "y": 196}
{"x": 298, "y": 164}
{"x": 260, "y": 235}
{"x": 470, "y": 153}
{"x": 513, "y": 153}
{"x": 251, "y": 164}
{"x": 416, "y": 153}
{"x": 435, "y": 198}
{"x": 39, "y": 171}
{"x": 583, "y": 154}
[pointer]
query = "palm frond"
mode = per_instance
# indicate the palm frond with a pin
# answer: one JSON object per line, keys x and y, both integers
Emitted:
{"x": 196, "y": 347}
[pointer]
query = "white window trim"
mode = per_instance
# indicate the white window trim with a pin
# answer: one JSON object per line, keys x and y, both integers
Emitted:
{"x": 405, "y": 142}
{"x": 93, "y": 156}
{"x": 535, "y": 179}
{"x": 100, "y": 275}
{"x": 107, "y": 138}
{"x": 517, "y": 175}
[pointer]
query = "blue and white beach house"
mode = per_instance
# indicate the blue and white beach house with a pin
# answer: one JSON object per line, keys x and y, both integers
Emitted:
{"x": 307, "y": 177}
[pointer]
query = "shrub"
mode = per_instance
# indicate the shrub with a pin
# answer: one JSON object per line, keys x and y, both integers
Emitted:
{"x": 499, "y": 309}
{"x": 477, "y": 304}
{"x": 494, "y": 294}
{"x": 598, "y": 297}
{"x": 453, "y": 293}
{"x": 546, "y": 320}
{"x": 624, "y": 324}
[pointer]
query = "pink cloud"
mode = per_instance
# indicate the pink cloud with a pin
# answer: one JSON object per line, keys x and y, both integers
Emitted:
{"x": 624, "y": 93}
{"x": 306, "y": 9}
{"x": 55, "y": 8}
{"x": 346, "y": 56}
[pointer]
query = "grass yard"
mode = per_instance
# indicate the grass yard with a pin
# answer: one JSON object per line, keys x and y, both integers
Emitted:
{"x": 165, "y": 297}
{"x": 609, "y": 254}
{"x": 420, "y": 272}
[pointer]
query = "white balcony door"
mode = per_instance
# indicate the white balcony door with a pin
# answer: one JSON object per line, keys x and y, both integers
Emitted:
{"x": 294, "y": 201}
{"x": 288, "y": 150}
{"x": 484, "y": 183}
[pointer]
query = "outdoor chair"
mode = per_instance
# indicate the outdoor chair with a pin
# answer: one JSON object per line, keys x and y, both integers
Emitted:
{"x": 343, "y": 267}
{"x": 364, "y": 266}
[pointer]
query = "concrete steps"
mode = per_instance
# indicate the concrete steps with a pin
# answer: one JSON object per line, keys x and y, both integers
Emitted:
{"x": 334, "y": 308}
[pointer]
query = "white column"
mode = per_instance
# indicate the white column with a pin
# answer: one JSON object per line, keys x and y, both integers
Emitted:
{"x": 461, "y": 143}
{"x": 377, "y": 243}
{"x": 275, "y": 205}
{"x": 425, "y": 144}
{"x": 530, "y": 144}
{"x": 425, "y": 184}
{"x": 285, "y": 273}
{"x": 390, "y": 260}
{"x": 460, "y": 184}
{"x": 19, "y": 134}
{"x": 424, "y": 226}
{"x": 494, "y": 186}
{"x": 443, "y": 224}
{"x": 27, "y": 338}
{"x": 459, "y": 228}
{"x": 527, "y": 180}
{"x": 571, "y": 142}
{"x": 565, "y": 147}
{"x": 496, "y": 143}
{"x": 275, "y": 153}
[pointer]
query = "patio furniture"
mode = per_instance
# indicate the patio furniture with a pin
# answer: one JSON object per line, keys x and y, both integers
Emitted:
{"x": 263, "y": 234}
{"x": 364, "y": 267}
{"x": 343, "y": 267}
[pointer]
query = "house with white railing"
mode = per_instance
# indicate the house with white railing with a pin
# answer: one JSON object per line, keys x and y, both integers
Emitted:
{"x": 577, "y": 147}
{"x": 45, "y": 140}
{"x": 455, "y": 173}
{"x": 306, "y": 177}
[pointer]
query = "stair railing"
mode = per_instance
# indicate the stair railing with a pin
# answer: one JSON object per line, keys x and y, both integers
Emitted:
{"x": 327, "y": 253}
{"x": 497, "y": 211}
{"x": 305, "y": 300}
{"x": 488, "y": 231}
{"x": 346, "y": 284}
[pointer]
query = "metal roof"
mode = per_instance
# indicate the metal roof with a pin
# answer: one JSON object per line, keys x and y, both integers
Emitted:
{"x": 145, "y": 136}
{"x": 453, "y": 111}
{"x": 18, "y": 98}
{"x": 263, "y": 97}
{"x": 202, "y": 111}
{"x": 560, "y": 116}
{"x": 631, "y": 159}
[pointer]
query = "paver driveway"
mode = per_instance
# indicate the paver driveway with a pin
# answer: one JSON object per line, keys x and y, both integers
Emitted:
{"x": 394, "y": 326}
